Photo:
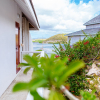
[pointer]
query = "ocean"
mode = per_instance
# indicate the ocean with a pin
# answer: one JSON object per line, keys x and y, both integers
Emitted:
{"x": 47, "y": 48}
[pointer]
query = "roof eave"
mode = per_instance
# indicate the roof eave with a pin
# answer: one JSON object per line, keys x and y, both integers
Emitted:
{"x": 34, "y": 12}
{"x": 28, "y": 10}
{"x": 90, "y": 24}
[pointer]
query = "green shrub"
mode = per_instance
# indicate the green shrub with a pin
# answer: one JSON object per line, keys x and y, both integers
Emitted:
{"x": 77, "y": 82}
{"x": 86, "y": 50}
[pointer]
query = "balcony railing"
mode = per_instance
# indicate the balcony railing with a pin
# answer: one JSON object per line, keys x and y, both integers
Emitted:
{"x": 41, "y": 53}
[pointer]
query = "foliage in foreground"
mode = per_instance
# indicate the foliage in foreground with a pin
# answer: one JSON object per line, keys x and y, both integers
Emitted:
{"x": 49, "y": 73}
{"x": 87, "y": 50}
{"x": 88, "y": 96}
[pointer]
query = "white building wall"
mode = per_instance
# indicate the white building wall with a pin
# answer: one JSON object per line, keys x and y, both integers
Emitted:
{"x": 82, "y": 37}
{"x": 93, "y": 26}
{"x": 8, "y": 17}
{"x": 27, "y": 40}
{"x": 30, "y": 43}
{"x": 25, "y": 33}
{"x": 74, "y": 39}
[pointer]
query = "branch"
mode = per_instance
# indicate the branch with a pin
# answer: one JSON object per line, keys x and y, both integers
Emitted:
{"x": 96, "y": 56}
{"x": 68, "y": 94}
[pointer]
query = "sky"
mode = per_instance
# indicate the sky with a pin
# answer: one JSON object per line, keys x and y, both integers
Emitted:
{"x": 63, "y": 16}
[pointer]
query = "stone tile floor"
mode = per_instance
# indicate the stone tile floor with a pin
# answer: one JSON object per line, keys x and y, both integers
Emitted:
{"x": 9, "y": 95}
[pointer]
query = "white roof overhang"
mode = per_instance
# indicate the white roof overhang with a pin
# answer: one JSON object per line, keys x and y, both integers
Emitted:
{"x": 28, "y": 10}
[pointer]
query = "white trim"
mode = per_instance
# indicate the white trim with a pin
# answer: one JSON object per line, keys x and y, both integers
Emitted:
{"x": 27, "y": 9}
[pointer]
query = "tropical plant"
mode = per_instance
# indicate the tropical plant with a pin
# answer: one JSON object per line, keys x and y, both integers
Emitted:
{"x": 87, "y": 50}
{"x": 49, "y": 73}
{"x": 88, "y": 96}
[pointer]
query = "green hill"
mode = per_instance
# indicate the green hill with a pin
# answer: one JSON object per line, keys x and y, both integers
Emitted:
{"x": 56, "y": 38}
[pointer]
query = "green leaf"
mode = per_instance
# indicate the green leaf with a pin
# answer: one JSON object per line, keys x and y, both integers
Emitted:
{"x": 55, "y": 96}
{"x": 36, "y": 95}
{"x": 36, "y": 83}
{"x": 36, "y": 54}
{"x": 52, "y": 56}
{"x": 20, "y": 86}
{"x": 33, "y": 62}
{"x": 26, "y": 70}
{"x": 23, "y": 64}
{"x": 73, "y": 67}
{"x": 59, "y": 69}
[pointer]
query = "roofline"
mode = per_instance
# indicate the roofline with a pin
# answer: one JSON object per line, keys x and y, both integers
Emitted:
{"x": 74, "y": 33}
{"x": 90, "y": 20}
{"x": 79, "y": 35}
{"x": 34, "y": 12}
{"x": 90, "y": 24}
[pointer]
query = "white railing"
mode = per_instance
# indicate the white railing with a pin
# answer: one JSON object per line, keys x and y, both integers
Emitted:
{"x": 31, "y": 53}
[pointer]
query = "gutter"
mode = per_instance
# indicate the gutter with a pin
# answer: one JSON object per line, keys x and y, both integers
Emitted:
{"x": 34, "y": 12}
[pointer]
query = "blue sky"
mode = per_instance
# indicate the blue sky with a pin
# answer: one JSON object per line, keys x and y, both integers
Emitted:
{"x": 63, "y": 16}
{"x": 78, "y": 1}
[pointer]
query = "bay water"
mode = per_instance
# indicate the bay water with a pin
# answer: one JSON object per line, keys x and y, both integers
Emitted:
{"x": 47, "y": 48}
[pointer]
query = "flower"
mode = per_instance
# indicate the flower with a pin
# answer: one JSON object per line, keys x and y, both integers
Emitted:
{"x": 69, "y": 59}
{"x": 88, "y": 81}
{"x": 56, "y": 56}
{"x": 84, "y": 57}
{"x": 86, "y": 42}
{"x": 62, "y": 49}
{"x": 93, "y": 47}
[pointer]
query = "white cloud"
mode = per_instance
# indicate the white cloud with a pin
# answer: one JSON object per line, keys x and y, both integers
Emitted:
{"x": 60, "y": 27}
{"x": 49, "y": 4}
{"x": 63, "y": 16}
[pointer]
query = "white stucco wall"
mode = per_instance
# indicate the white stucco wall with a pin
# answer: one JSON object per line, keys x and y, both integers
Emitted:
{"x": 74, "y": 39}
{"x": 30, "y": 43}
{"x": 93, "y": 26}
{"x": 82, "y": 37}
{"x": 25, "y": 33}
{"x": 8, "y": 17}
{"x": 27, "y": 40}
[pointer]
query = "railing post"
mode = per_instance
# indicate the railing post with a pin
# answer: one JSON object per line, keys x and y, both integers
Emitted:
{"x": 42, "y": 54}
{"x": 21, "y": 57}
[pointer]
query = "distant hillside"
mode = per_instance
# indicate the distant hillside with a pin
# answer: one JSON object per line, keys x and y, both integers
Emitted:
{"x": 38, "y": 40}
{"x": 56, "y": 38}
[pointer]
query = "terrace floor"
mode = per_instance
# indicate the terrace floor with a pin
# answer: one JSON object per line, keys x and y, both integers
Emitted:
{"x": 9, "y": 95}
